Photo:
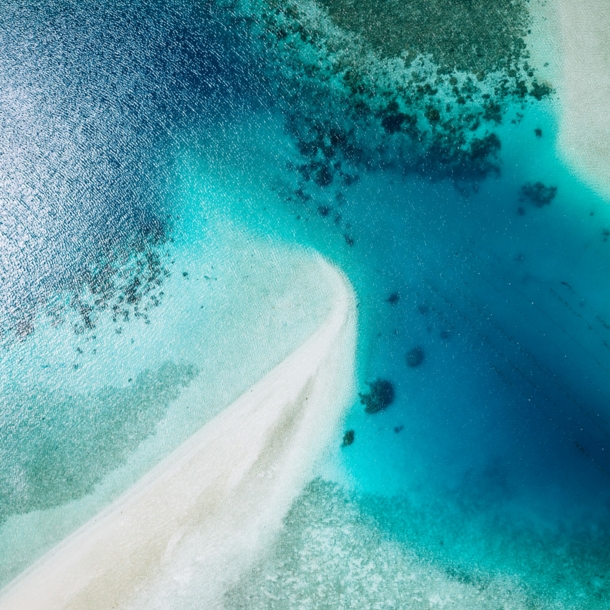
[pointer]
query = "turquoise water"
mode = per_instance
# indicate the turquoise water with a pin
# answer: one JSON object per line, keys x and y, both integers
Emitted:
{"x": 491, "y": 464}
{"x": 485, "y": 483}
{"x": 494, "y": 455}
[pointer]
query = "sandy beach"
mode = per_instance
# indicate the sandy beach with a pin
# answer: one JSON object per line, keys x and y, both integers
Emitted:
{"x": 200, "y": 517}
{"x": 584, "y": 137}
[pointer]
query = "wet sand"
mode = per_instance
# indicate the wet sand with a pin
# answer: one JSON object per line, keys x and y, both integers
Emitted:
{"x": 584, "y": 137}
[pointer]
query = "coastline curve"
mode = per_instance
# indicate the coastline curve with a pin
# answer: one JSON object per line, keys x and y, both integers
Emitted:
{"x": 217, "y": 501}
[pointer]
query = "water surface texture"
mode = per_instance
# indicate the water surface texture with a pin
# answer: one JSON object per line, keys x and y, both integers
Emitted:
{"x": 167, "y": 170}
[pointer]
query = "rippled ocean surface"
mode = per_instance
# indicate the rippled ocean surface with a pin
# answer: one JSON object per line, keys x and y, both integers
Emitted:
{"x": 165, "y": 168}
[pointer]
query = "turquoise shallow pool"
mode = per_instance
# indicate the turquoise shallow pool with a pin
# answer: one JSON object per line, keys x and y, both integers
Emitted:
{"x": 158, "y": 216}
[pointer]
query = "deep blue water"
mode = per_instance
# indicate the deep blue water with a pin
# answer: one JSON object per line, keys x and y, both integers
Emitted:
{"x": 92, "y": 98}
{"x": 495, "y": 452}
{"x": 495, "y": 455}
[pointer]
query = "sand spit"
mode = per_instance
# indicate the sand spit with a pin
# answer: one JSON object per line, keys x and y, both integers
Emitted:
{"x": 584, "y": 138}
{"x": 218, "y": 500}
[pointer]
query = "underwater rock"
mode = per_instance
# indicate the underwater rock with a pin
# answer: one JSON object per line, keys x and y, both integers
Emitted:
{"x": 393, "y": 122}
{"x": 324, "y": 177}
{"x": 393, "y": 298}
{"x": 537, "y": 193}
{"x": 433, "y": 115}
{"x": 415, "y": 356}
{"x": 482, "y": 149}
{"x": 348, "y": 438}
{"x": 379, "y": 397}
{"x": 493, "y": 112}
{"x": 540, "y": 90}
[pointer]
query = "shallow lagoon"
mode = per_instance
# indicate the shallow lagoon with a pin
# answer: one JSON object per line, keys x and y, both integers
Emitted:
{"x": 485, "y": 481}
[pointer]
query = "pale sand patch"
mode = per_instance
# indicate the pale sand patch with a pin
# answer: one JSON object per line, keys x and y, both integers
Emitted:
{"x": 584, "y": 91}
{"x": 224, "y": 491}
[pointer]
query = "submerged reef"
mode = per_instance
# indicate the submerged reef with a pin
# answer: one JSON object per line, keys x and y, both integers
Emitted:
{"x": 341, "y": 550}
{"x": 393, "y": 299}
{"x": 128, "y": 289}
{"x": 418, "y": 87}
{"x": 379, "y": 397}
{"x": 124, "y": 284}
{"x": 42, "y": 470}
{"x": 537, "y": 193}
{"x": 348, "y": 438}
{"x": 415, "y": 356}
{"x": 475, "y": 36}
{"x": 331, "y": 554}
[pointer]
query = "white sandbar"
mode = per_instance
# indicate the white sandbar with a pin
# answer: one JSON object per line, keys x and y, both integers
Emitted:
{"x": 224, "y": 491}
{"x": 584, "y": 137}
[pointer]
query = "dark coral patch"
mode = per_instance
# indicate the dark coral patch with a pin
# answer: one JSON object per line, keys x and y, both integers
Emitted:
{"x": 348, "y": 438}
{"x": 380, "y": 396}
{"x": 393, "y": 298}
{"x": 537, "y": 193}
{"x": 324, "y": 177}
{"x": 393, "y": 122}
{"x": 415, "y": 356}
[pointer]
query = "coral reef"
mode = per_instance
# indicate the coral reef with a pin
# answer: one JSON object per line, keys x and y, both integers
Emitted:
{"x": 379, "y": 397}
{"x": 348, "y": 438}
{"x": 415, "y": 356}
{"x": 537, "y": 194}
